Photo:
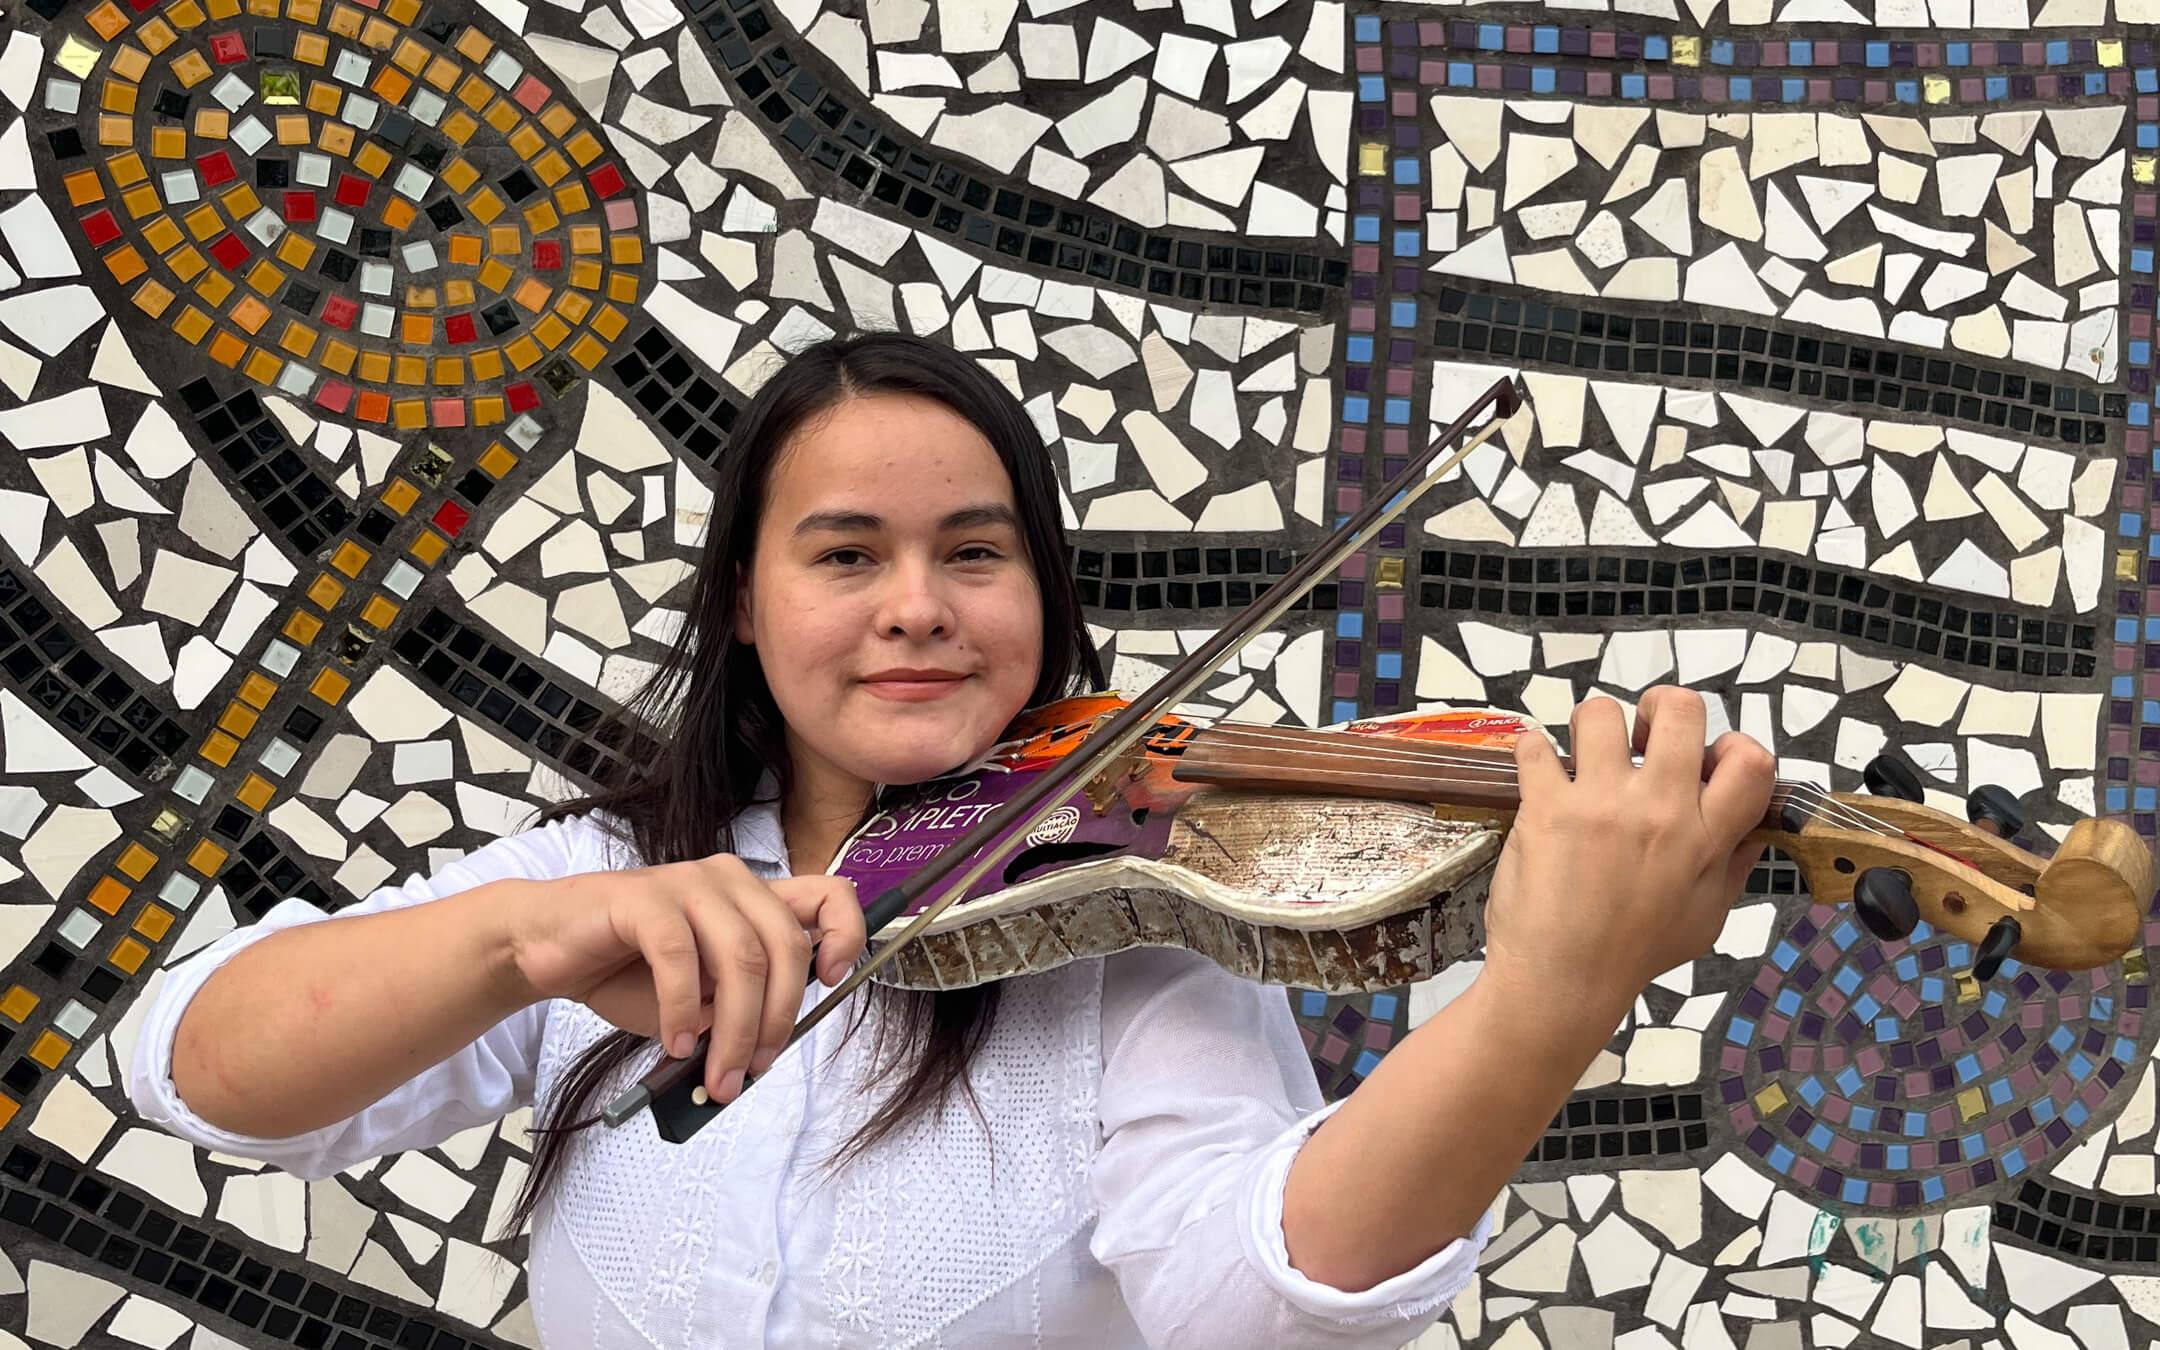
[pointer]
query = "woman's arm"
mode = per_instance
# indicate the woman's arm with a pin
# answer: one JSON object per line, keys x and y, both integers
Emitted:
{"x": 316, "y": 1022}
{"x": 1607, "y": 879}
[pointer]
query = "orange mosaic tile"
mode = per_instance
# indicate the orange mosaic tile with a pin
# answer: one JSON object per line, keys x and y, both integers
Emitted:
{"x": 255, "y": 793}
{"x": 329, "y": 686}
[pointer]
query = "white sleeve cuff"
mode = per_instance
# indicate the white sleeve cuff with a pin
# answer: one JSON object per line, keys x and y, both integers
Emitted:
{"x": 1426, "y": 1288}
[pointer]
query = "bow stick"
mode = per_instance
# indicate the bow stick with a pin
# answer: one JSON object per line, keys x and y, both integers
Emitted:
{"x": 672, "y": 1088}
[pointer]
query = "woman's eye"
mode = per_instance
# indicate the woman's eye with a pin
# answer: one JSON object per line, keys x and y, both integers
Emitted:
{"x": 846, "y": 557}
{"x": 978, "y": 553}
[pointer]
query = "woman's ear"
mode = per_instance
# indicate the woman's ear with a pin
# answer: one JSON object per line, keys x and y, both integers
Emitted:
{"x": 745, "y": 628}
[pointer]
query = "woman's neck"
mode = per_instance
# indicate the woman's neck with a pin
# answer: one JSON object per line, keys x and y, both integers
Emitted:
{"x": 823, "y": 806}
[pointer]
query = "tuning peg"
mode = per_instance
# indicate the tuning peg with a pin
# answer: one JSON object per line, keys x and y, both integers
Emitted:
{"x": 1995, "y": 948}
{"x": 1993, "y": 808}
{"x": 1884, "y": 898}
{"x": 1888, "y": 775}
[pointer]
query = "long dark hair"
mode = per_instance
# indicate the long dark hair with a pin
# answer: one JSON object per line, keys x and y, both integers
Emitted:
{"x": 719, "y": 731}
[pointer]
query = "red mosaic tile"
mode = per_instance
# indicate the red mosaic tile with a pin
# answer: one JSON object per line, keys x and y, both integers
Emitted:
{"x": 100, "y": 228}
{"x": 339, "y": 312}
{"x": 228, "y": 48}
{"x": 229, "y": 251}
{"x": 300, "y": 206}
{"x": 352, "y": 190}
{"x": 523, "y": 397}
{"x": 607, "y": 181}
{"x": 215, "y": 168}
{"x": 547, "y": 255}
{"x": 459, "y": 329}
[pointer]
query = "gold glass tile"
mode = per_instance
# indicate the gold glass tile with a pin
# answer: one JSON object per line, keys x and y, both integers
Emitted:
{"x": 397, "y": 213}
{"x": 294, "y": 128}
{"x": 113, "y": 130}
{"x": 154, "y": 922}
{"x": 296, "y": 251}
{"x": 118, "y": 96}
{"x": 313, "y": 48}
{"x": 345, "y": 21}
{"x": 136, "y": 861}
{"x": 18, "y": 1005}
{"x": 226, "y": 349}
{"x": 487, "y": 411}
{"x": 50, "y": 1048}
{"x": 459, "y": 174}
{"x": 494, "y": 275}
{"x": 449, "y": 371}
{"x": 298, "y": 338}
{"x": 338, "y": 356}
{"x": 264, "y": 9}
{"x": 375, "y": 367}
{"x": 420, "y": 297}
{"x": 190, "y": 68}
{"x": 557, "y": 119}
{"x": 458, "y": 291}
{"x": 502, "y": 115}
{"x": 401, "y": 495}
{"x": 107, "y": 21}
{"x": 429, "y": 547}
{"x": 532, "y": 294}
{"x": 130, "y": 63}
{"x": 610, "y": 322}
{"x": 417, "y": 329}
{"x": 585, "y": 274}
{"x": 206, "y": 858}
{"x": 266, "y": 276}
{"x": 238, "y": 719}
{"x": 156, "y": 36}
{"x": 506, "y": 240}
{"x": 9, "y": 1108}
{"x": 255, "y": 792}
{"x": 379, "y": 613}
{"x": 550, "y": 167}
{"x": 251, "y": 314}
{"x": 302, "y": 627}
{"x": 573, "y": 307}
{"x": 223, "y": 9}
{"x": 142, "y": 200}
{"x": 406, "y": 12}
{"x": 587, "y": 351}
{"x": 459, "y": 126}
{"x": 128, "y": 955}
{"x": 626, "y": 250}
{"x": 497, "y": 460}
{"x": 583, "y": 147}
{"x": 213, "y": 124}
{"x": 325, "y": 591}
{"x": 240, "y": 201}
{"x": 487, "y": 365}
{"x": 443, "y": 73}
{"x": 526, "y": 140}
{"x": 262, "y": 367}
{"x": 330, "y": 687}
{"x": 524, "y": 353}
{"x": 409, "y": 414}
{"x": 540, "y": 217}
{"x": 551, "y": 332}
{"x": 585, "y": 239}
{"x": 465, "y": 250}
{"x": 410, "y": 56}
{"x": 109, "y": 894}
{"x": 377, "y": 34}
{"x": 127, "y": 169}
{"x": 371, "y": 159}
{"x": 622, "y": 287}
{"x": 307, "y": 12}
{"x": 218, "y": 748}
{"x": 350, "y": 558}
{"x": 151, "y": 297}
{"x": 186, "y": 16}
{"x": 408, "y": 370}
{"x": 570, "y": 198}
{"x": 84, "y": 187}
{"x": 336, "y": 139}
{"x": 204, "y": 221}
{"x": 213, "y": 287}
{"x": 474, "y": 45}
{"x": 193, "y": 325}
{"x": 391, "y": 85}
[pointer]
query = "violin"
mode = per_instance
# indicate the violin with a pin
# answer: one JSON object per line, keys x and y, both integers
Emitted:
{"x": 1352, "y": 857}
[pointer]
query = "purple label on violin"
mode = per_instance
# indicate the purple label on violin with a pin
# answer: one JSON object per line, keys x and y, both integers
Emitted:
{"x": 923, "y": 823}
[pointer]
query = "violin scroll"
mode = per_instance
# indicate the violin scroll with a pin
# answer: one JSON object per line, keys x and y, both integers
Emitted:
{"x": 2082, "y": 908}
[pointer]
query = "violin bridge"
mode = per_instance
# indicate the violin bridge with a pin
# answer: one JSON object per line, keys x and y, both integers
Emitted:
{"x": 1104, "y": 787}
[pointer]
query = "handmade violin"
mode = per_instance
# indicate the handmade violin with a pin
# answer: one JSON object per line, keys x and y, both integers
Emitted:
{"x": 1353, "y": 857}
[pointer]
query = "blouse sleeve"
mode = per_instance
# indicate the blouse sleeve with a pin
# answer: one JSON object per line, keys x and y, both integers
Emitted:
{"x": 481, "y": 1082}
{"x": 1207, "y": 1094}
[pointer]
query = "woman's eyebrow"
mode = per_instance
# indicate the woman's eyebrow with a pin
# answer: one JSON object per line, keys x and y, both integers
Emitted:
{"x": 846, "y": 522}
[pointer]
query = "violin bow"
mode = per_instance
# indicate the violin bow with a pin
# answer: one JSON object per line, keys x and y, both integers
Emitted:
{"x": 673, "y": 1088}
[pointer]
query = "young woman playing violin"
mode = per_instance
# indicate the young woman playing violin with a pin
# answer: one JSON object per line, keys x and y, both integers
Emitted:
{"x": 1124, "y": 1151}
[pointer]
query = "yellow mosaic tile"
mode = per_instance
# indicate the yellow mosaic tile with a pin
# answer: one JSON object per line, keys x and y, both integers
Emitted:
{"x": 371, "y": 159}
{"x": 302, "y": 627}
{"x": 212, "y": 124}
{"x": 218, "y": 748}
{"x": 550, "y": 167}
{"x": 312, "y": 48}
{"x": 622, "y": 287}
{"x": 583, "y": 147}
{"x": 557, "y": 119}
{"x": 154, "y": 922}
{"x": 129, "y": 955}
{"x": 238, "y": 719}
{"x": 330, "y": 687}
{"x": 109, "y": 894}
{"x": 255, "y": 793}
{"x": 118, "y": 96}
{"x": 136, "y": 861}
{"x": 18, "y": 1005}
{"x": 151, "y": 298}
{"x": 497, "y": 460}
{"x": 350, "y": 558}
{"x": 429, "y": 547}
{"x": 325, "y": 591}
{"x": 50, "y": 1048}
{"x": 193, "y": 325}
{"x": 257, "y": 689}
{"x": 448, "y": 372}
{"x": 130, "y": 63}
{"x": 336, "y": 139}
{"x": 156, "y": 36}
{"x": 487, "y": 366}
{"x": 379, "y": 612}
{"x": 406, "y": 369}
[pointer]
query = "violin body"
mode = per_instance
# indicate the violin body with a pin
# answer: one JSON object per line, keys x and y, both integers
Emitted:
{"x": 1333, "y": 892}
{"x": 1357, "y": 858}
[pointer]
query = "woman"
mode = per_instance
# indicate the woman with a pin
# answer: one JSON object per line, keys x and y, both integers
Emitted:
{"x": 1120, "y": 1152}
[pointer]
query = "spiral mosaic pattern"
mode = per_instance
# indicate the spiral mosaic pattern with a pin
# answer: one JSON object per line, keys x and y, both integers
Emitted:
{"x": 383, "y": 213}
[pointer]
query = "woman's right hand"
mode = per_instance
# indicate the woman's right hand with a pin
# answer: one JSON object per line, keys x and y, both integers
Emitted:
{"x": 670, "y": 951}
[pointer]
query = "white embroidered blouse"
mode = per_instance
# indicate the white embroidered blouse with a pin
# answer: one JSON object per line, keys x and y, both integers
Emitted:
{"x": 1144, "y": 1109}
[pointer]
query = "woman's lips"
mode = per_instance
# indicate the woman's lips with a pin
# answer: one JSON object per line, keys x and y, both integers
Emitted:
{"x": 914, "y": 690}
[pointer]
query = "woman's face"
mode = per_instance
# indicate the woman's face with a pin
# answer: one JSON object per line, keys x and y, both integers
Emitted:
{"x": 890, "y": 596}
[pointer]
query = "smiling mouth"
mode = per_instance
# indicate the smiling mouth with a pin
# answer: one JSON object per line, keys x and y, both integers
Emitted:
{"x": 914, "y": 686}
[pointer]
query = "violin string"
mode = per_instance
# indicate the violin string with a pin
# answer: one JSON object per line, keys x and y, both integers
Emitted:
{"x": 1827, "y": 803}
{"x": 1822, "y": 804}
{"x": 1446, "y": 780}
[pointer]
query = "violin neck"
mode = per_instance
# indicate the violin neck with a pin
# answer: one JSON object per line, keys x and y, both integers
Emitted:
{"x": 1479, "y": 781}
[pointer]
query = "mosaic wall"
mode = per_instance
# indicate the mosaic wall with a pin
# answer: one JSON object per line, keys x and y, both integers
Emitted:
{"x": 363, "y": 362}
